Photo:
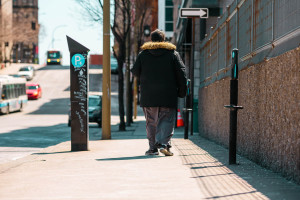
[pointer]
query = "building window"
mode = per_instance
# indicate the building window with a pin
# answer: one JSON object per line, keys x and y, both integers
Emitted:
{"x": 169, "y": 15}
{"x": 15, "y": 2}
{"x": 30, "y": 2}
{"x": 33, "y": 25}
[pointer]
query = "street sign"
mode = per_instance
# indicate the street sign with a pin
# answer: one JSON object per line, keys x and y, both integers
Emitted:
{"x": 79, "y": 95}
{"x": 193, "y": 12}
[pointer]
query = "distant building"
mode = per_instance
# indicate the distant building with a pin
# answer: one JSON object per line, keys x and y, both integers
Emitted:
{"x": 182, "y": 29}
{"x": 165, "y": 17}
{"x": 19, "y": 31}
{"x": 5, "y": 30}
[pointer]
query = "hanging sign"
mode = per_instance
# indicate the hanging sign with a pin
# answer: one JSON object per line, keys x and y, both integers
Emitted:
{"x": 193, "y": 12}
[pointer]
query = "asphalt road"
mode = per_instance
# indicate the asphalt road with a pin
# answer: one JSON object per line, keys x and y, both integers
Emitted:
{"x": 43, "y": 122}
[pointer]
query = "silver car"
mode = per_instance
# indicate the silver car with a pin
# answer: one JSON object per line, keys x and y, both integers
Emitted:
{"x": 27, "y": 72}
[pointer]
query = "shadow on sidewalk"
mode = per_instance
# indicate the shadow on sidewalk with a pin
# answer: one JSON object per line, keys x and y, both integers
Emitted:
{"x": 269, "y": 183}
{"x": 55, "y": 67}
{"x": 129, "y": 158}
{"x": 60, "y": 152}
{"x": 37, "y": 137}
{"x": 58, "y": 106}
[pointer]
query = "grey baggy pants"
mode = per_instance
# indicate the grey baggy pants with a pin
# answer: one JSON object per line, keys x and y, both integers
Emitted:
{"x": 160, "y": 122}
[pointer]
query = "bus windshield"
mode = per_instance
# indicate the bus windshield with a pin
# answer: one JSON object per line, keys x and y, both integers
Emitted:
{"x": 54, "y": 54}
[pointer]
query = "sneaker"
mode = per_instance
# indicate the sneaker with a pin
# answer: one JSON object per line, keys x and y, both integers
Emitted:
{"x": 166, "y": 151}
{"x": 151, "y": 152}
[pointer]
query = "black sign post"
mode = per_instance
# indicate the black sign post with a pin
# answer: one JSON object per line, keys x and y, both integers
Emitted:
{"x": 79, "y": 95}
{"x": 189, "y": 105}
{"x": 233, "y": 107}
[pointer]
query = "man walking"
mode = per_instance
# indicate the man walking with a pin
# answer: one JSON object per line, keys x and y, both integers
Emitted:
{"x": 161, "y": 73}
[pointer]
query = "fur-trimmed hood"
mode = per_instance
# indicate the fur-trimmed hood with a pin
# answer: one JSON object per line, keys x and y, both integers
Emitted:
{"x": 158, "y": 45}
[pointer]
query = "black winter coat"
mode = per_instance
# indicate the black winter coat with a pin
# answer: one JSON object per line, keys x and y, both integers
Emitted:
{"x": 161, "y": 73}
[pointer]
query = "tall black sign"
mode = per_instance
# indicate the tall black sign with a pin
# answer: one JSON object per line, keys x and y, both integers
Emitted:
{"x": 79, "y": 95}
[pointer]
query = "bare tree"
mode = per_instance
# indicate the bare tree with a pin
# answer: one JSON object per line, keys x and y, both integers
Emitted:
{"x": 141, "y": 15}
{"x": 120, "y": 29}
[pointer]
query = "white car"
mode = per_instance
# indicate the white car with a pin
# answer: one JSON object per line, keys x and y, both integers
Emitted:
{"x": 27, "y": 72}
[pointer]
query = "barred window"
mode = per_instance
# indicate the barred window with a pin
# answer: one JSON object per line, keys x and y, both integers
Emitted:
{"x": 169, "y": 15}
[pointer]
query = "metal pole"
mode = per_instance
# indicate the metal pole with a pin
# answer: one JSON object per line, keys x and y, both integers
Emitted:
{"x": 135, "y": 98}
{"x": 106, "y": 85}
{"x": 192, "y": 75}
{"x": 186, "y": 111}
{"x": 233, "y": 121}
{"x": 233, "y": 107}
{"x": 186, "y": 122}
{"x": 52, "y": 42}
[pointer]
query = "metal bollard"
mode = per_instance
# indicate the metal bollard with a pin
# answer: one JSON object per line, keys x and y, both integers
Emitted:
{"x": 233, "y": 107}
{"x": 187, "y": 109}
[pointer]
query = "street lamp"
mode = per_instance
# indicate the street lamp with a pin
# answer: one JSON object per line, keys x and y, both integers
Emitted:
{"x": 52, "y": 41}
{"x": 147, "y": 30}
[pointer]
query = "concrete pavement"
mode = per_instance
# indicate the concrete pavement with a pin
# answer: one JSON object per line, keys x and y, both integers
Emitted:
{"x": 118, "y": 169}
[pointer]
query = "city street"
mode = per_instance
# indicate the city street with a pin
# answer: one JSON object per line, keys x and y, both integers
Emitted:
{"x": 35, "y": 148}
{"x": 38, "y": 125}
{"x": 224, "y": 73}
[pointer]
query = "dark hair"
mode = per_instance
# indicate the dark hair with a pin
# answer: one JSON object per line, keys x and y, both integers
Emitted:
{"x": 157, "y": 36}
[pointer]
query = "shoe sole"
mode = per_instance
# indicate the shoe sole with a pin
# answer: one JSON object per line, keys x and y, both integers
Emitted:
{"x": 166, "y": 152}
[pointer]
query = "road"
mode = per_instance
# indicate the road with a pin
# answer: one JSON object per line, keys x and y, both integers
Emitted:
{"x": 43, "y": 122}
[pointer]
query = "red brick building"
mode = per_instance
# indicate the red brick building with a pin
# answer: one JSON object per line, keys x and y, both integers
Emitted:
{"x": 19, "y": 31}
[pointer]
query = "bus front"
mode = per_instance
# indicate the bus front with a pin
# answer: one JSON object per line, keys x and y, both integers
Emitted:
{"x": 54, "y": 58}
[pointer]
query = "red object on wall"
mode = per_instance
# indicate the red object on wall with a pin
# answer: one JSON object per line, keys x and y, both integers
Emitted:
{"x": 96, "y": 59}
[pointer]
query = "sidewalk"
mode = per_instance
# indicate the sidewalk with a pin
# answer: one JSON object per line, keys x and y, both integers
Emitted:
{"x": 118, "y": 169}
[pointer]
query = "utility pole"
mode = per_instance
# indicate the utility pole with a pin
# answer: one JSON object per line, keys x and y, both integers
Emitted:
{"x": 191, "y": 13}
{"x": 190, "y": 94}
{"x": 106, "y": 79}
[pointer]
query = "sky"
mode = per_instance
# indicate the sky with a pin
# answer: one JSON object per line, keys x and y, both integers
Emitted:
{"x": 59, "y": 18}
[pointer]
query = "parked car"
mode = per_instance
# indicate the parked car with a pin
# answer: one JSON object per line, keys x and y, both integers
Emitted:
{"x": 94, "y": 108}
{"x": 113, "y": 65}
{"x": 33, "y": 90}
{"x": 15, "y": 75}
{"x": 27, "y": 72}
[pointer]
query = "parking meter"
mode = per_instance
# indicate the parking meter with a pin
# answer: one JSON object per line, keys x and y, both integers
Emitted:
{"x": 79, "y": 95}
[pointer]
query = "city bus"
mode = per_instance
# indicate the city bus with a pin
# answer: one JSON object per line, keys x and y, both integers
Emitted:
{"x": 13, "y": 94}
{"x": 54, "y": 57}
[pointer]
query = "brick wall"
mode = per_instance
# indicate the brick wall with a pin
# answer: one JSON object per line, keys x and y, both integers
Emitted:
{"x": 269, "y": 124}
